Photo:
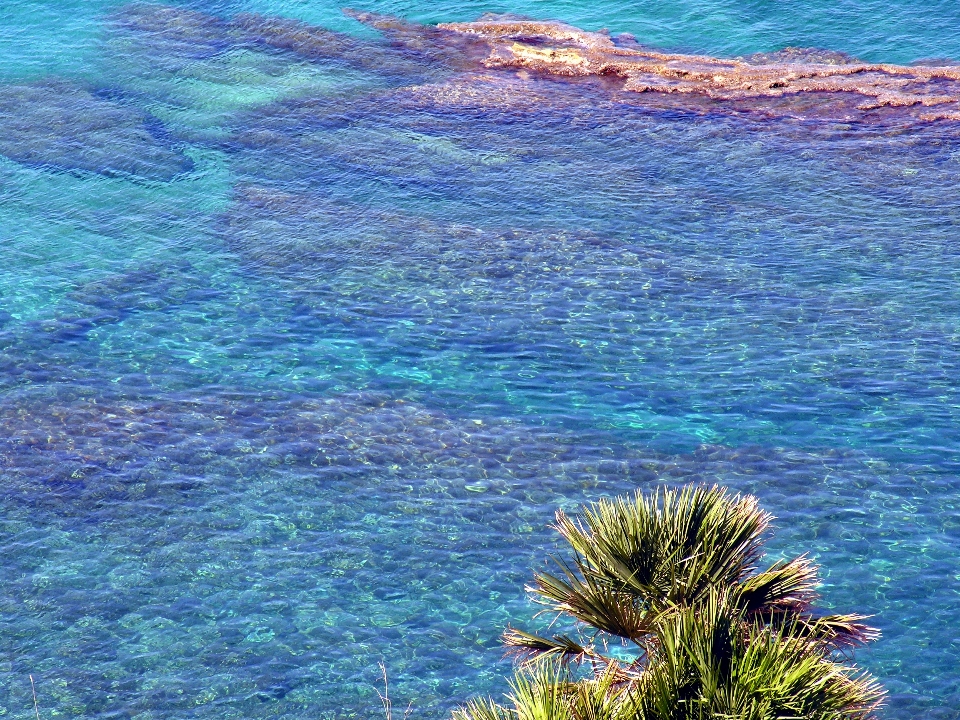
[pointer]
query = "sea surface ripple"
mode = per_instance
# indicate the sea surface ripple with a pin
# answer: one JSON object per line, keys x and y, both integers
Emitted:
{"x": 308, "y": 325}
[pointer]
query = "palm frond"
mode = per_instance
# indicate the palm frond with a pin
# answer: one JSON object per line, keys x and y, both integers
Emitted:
{"x": 839, "y": 632}
{"x": 669, "y": 546}
{"x": 794, "y": 677}
{"x": 483, "y": 709}
{"x": 592, "y": 603}
{"x": 540, "y": 694}
{"x": 676, "y": 572}
{"x": 605, "y": 697}
{"x": 710, "y": 666}
{"x": 786, "y": 586}
{"x": 721, "y": 537}
{"x": 534, "y": 647}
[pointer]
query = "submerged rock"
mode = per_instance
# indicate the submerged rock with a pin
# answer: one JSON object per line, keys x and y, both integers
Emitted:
{"x": 176, "y": 30}
{"x": 426, "y": 42}
{"x": 290, "y": 234}
{"x": 561, "y": 49}
{"x": 170, "y": 31}
{"x": 103, "y": 446}
{"x": 830, "y": 84}
{"x": 63, "y": 126}
{"x": 317, "y": 43}
{"x": 802, "y": 55}
{"x": 35, "y": 351}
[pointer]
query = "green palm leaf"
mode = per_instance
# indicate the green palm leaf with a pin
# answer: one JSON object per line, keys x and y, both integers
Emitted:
{"x": 713, "y": 665}
{"x": 668, "y": 547}
{"x": 598, "y": 605}
{"x": 786, "y": 585}
{"x": 529, "y": 646}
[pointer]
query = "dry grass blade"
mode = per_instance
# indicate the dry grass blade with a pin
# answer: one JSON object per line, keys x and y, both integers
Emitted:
{"x": 385, "y": 696}
{"x": 36, "y": 707}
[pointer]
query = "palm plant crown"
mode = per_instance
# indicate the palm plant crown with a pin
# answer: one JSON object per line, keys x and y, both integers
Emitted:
{"x": 675, "y": 575}
{"x": 637, "y": 559}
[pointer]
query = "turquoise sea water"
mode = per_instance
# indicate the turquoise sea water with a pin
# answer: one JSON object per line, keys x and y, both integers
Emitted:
{"x": 295, "y": 369}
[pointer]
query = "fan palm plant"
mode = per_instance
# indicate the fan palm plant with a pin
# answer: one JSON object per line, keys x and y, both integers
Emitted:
{"x": 675, "y": 575}
{"x": 708, "y": 665}
{"x": 637, "y": 560}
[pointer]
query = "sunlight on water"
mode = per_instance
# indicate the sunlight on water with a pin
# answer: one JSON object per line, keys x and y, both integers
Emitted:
{"x": 305, "y": 335}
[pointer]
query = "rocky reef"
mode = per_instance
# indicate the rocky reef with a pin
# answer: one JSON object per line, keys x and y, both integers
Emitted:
{"x": 451, "y": 62}
{"x": 189, "y": 33}
{"x": 559, "y": 49}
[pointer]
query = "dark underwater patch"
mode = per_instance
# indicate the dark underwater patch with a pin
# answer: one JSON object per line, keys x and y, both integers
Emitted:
{"x": 62, "y": 126}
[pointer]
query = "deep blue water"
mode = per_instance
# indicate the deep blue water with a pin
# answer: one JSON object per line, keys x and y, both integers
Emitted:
{"x": 295, "y": 368}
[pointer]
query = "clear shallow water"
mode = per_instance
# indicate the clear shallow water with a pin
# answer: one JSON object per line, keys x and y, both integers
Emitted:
{"x": 296, "y": 367}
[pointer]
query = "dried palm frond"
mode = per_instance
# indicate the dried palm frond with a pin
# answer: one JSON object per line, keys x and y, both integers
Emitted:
{"x": 839, "y": 632}
{"x": 534, "y": 647}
